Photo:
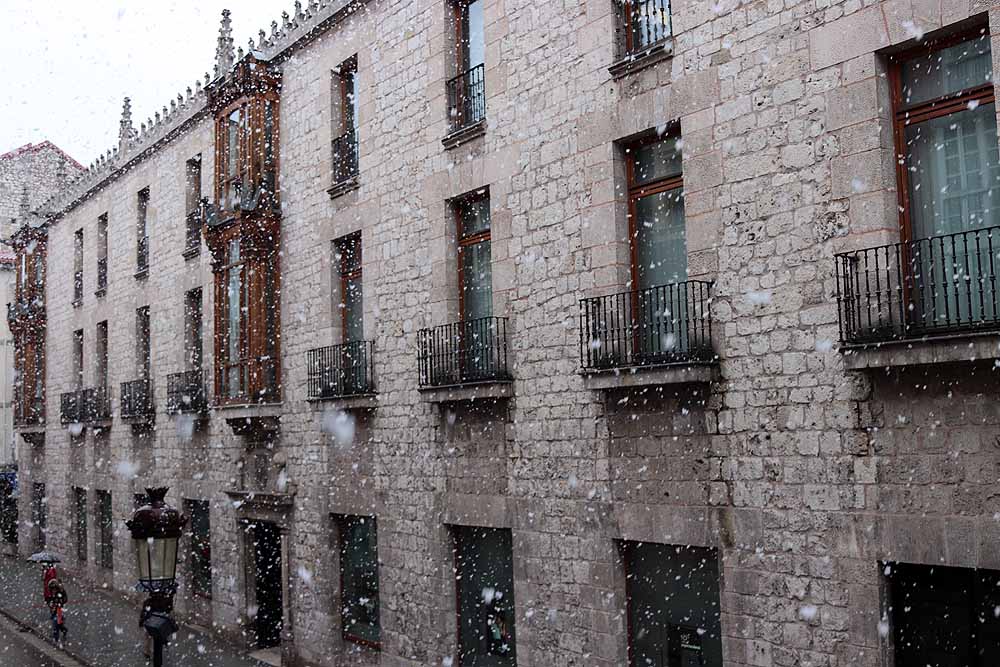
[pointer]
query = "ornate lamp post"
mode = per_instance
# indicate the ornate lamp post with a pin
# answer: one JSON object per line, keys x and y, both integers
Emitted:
{"x": 156, "y": 528}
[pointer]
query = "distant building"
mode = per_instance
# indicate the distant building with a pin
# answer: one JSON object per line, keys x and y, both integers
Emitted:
{"x": 539, "y": 333}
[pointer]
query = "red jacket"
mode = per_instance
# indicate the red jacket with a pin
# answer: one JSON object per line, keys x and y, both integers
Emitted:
{"x": 50, "y": 574}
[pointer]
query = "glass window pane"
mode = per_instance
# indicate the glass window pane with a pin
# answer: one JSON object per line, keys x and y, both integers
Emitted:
{"x": 673, "y": 605}
{"x": 477, "y": 34}
{"x": 474, "y": 216}
{"x": 485, "y": 581}
{"x": 353, "y": 311}
{"x": 954, "y": 172}
{"x": 359, "y": 573}
{"x": 947, "y": 71}
{"x": 477, "y": 281}
{"x": 661, "y": 246}
{"x": 656, "y": 161}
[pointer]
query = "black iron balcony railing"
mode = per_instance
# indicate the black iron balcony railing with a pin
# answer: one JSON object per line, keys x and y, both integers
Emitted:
{"x": 192, "y": 241}
{"x": 28, "y": 412}
{"x": 85, "y": 405}
{"x": 70, "y": 407}
{"x": 137, "y": 399}
{"x": 342, "y": 370}
{"x": 142, "y": 255}
{"x": 77, "y": 287}
{"x": 927, "y": 287}
{"x": 467, "y": 98}
{"x": 102, "y": 274}
{"x": 667, "y": 324}
{"x": 466, "y": 352}
{"x": 641, "y": 24}
{"x": 95, "y": 404}
{"x": 345, "y": 158}
{"x": 186, "y": 392}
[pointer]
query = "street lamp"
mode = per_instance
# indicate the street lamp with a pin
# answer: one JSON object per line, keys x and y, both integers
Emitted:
{"x": 156, "y": 528}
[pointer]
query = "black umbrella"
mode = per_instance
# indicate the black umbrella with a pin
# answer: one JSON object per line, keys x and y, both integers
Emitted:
{"x": 44, "y": 557}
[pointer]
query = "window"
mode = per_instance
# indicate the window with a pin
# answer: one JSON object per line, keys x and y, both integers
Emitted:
{"x": 943, "y": 615}
{"x": 142, "y": 233}
{"x": 484, "y": 579}
{"x": 78, "y": 267}
{"x": 233, "y": 366}
{"x": 78, "y": 358}
{"x": 475, "y": 277}
{"x": 101, "y": 356}
{"x": 949, "y": 179}
{"x": 467, "y": 90}
{"x": 345, "y": 121}
{"x": 8, "y": 509}
{"x": 105, "y": 531}
{"x": 673, "y": 604}
{"x": 192, "y": 330}
{"x": 80, "y": 522}
{"x": 641, "y": 24}
{"x": 347, "y": 252}
{"x": 192, "y": 180}
{"x": 143, "y": 352}
{"x": 102, "y": 254}
{"x": 201, "y": 547}
{"x": 39, "y": 514}
{"x": 359, "y": 603}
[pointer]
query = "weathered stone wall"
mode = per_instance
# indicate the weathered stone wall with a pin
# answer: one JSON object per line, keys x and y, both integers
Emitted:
{"x": 803, "y": 474}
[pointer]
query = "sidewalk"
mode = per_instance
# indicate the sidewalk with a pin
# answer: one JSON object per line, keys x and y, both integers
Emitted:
{"x": 103, "y": 628}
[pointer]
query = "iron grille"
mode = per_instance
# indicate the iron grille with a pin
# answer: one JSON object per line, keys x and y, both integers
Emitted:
{"x": 70, "y": 404}
{"x": 345, "y": 158}
{"x": 466, "y": 352}
{"x": 186, "y": 392}
{"x": 667, "y": 324}
{"x": 641, "y": 25}
{"x": 342, "y": 370}
{"x": 136, "y": 399}
{"x": 935, "y": 286}
{"x": 467, "y": 98}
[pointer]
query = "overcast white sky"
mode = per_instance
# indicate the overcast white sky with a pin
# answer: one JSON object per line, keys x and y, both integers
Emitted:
{"x": 67, "y": 64}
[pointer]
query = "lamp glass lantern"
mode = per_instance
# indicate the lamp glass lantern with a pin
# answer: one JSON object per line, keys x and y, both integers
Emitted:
{"x": 156, "y": 528}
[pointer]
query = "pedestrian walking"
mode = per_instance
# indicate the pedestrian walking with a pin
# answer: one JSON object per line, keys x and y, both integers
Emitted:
{"x": 57, "y": 599}
{"x": 48, "y": 575}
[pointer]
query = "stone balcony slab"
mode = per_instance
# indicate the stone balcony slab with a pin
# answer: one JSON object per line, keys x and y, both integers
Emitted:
{"x": 646, "y": 376}
{"x": 918, "y": 352}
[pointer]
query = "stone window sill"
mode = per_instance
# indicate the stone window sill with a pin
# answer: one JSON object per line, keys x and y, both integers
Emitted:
{"x": 192, "y": 252}
{"x": 77, "y": 303}
{"x": 640, "y": 60}
{"x": 959, "y": 348}
{"x": 142, "y": 274}
{"x": 464, "y": 134}
{"x": 461, "y": 393}
{"x": 356, "y": 402}
{"x": 101, "y": 292}
{"x": 342, "y": 188}
{"x": 648, "y": 376}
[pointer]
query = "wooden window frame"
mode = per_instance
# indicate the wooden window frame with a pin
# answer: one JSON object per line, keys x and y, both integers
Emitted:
{"x": 343, "y": 524}
{"x": 80, "y": 502}
{"x": 101, "y": 356}
{"x": 105, "y": 530}
{"x": 636, "y": 191}
{"x": 631, "y": 48}
{"x": 463, "y": 242}
{"x": 222, "y": 361}
{"x": 347, "y": 80}
{"x": 142, "y": 230}
{"x": 904, "y": 116}
{"x": 346, "y": 275}
{"x": 194, "y": 329}
{"x": 78, "y": 267}
{"x": 143, "y": 343}
{"x": 78, "y": 360}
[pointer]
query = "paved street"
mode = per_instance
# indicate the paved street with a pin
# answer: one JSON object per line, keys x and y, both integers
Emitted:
{"x": 103, "y": 629}
{"x": 21, "y": 648}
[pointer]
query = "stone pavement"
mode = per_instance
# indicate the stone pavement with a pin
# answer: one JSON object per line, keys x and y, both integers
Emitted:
{"x": 103, "y": 628}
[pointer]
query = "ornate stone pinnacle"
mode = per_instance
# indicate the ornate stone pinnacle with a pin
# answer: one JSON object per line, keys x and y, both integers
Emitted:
{"x": 224, "y": 49}
{"x": 126, "y": 133}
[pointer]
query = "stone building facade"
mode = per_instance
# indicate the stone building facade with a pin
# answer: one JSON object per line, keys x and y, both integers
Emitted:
{"x": 800, "y": 444}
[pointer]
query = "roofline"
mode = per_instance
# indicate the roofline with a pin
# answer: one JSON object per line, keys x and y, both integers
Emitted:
{"x": 34, "y": 148}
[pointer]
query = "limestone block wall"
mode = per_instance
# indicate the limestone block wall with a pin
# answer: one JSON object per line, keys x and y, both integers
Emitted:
{"x": 803, "y": 475}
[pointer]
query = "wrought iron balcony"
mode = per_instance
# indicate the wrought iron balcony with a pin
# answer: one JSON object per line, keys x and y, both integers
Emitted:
{"x": 142, "y": 256}
{"x": 85, "y": 406}
{"x": 28, "y": 412}
{"x": 186, "y": 392}
{"x": 102, "y": 275}
{"x": 345, "y": 158}
{"x": 343, "y": 370}
{"x": 137, "y": 399}
{"x": 467, "y": 98}
{"x": 641, "y": 25}
{"x": 667, "y": 324}
{"x": 938, "y": 286}
{"x": 466, "y": 352}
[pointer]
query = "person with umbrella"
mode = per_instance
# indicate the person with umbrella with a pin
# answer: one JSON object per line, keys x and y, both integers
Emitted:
{"x": 56, "y": 599}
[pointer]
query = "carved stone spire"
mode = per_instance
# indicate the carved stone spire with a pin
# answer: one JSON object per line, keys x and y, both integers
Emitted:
{"x": 126, "y": 133}
{"x": 224, "y": 56}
